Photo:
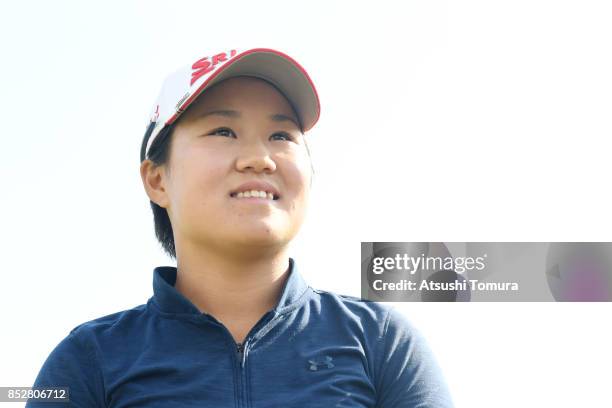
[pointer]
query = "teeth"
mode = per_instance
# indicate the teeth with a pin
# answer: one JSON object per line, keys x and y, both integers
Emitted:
{"x": 255, "y": 193}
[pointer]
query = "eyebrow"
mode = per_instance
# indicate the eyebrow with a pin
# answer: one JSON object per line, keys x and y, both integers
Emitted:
{"x": 228, "y": 113}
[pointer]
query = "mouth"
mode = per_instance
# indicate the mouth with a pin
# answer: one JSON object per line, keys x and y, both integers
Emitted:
{"x": 255, "y": 195}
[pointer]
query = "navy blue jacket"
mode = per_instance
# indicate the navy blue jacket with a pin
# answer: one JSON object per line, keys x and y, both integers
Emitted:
{"x": 314, "y": 349}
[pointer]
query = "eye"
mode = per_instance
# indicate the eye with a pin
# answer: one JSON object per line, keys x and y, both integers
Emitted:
{"x": 223, "y": 132}
{"x": 286, "y": 135}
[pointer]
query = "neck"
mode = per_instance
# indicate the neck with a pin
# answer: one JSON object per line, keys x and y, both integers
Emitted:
{"x": 236, "y": 290}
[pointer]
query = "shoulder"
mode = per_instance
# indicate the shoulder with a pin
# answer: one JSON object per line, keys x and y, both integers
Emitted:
{"x": 77, "y": 359}
{"x": 369, "y": 314}
{"x": 380, "y": 321}
{"x": 120, "y": 323}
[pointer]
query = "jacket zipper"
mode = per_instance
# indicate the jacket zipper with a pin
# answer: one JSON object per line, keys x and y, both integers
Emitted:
{"x": 242, "y": 350}
{"x": 241, "y": 353}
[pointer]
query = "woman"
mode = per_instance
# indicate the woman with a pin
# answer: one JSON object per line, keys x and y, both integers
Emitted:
{"x": 226, "y": 167}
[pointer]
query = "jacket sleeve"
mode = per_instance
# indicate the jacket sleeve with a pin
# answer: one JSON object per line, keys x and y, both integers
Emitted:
{"x": 408, "y": 374}
{"x": 74, "y": 365}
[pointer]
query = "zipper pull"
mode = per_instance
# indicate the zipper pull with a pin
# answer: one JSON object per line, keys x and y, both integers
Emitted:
{"x": 241, "y": 353}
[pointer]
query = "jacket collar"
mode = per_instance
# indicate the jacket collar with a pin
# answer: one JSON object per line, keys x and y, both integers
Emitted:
{"x": 170, "y": 300}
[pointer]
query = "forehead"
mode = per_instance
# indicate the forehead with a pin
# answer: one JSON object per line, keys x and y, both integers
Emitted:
{"x": 244, "y": 92}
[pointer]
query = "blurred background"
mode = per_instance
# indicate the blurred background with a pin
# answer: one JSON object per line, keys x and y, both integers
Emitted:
{"x": 441, "y": 121}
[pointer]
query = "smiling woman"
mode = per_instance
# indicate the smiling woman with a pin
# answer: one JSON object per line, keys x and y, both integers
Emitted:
{"x": 226, "y": 167}
{"x": 256, "y": 135}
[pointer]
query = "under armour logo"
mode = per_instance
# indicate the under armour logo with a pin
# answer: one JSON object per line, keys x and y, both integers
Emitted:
{"x": 325, "y": 363}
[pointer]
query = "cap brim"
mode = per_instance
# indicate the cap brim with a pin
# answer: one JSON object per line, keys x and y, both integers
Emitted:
{"x": 275, "y": 67}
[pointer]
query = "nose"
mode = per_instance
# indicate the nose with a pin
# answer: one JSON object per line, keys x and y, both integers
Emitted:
{"x": 255, "y": 157}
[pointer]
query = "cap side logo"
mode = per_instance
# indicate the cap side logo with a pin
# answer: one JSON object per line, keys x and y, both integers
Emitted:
{"x": 203, "y": 66}
{"x": 180, "y": 102}
{"x": 155, "y": 114}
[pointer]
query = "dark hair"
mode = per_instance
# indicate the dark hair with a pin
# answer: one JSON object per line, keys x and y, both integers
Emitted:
{"x": 159, "y": 154}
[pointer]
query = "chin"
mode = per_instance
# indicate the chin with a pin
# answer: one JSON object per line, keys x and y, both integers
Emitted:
{"x": 263, "y": 236}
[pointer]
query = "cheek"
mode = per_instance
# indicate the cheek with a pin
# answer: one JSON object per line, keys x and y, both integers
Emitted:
{"x": 200, "y": 182}
{"x": 297, "y": 174}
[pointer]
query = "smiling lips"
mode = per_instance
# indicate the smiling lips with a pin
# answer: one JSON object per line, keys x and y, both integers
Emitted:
{"x": 254, "y": 194}
{"x": 256, "y": 190}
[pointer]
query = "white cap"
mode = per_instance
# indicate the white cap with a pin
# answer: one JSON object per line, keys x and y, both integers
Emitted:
{"x": 182, "y": 87}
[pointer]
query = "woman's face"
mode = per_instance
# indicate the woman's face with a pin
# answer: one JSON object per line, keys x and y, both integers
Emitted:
{"x": 240, "y": 130}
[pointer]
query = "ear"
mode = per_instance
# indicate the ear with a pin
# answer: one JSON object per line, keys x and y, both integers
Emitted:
{"x": 153, "y": 179}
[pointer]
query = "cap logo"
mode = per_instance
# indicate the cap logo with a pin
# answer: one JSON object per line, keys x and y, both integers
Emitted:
{"x": 155, "y": 114}
{"x": 203, "y": 66}
{"x": 180, "y": 102}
